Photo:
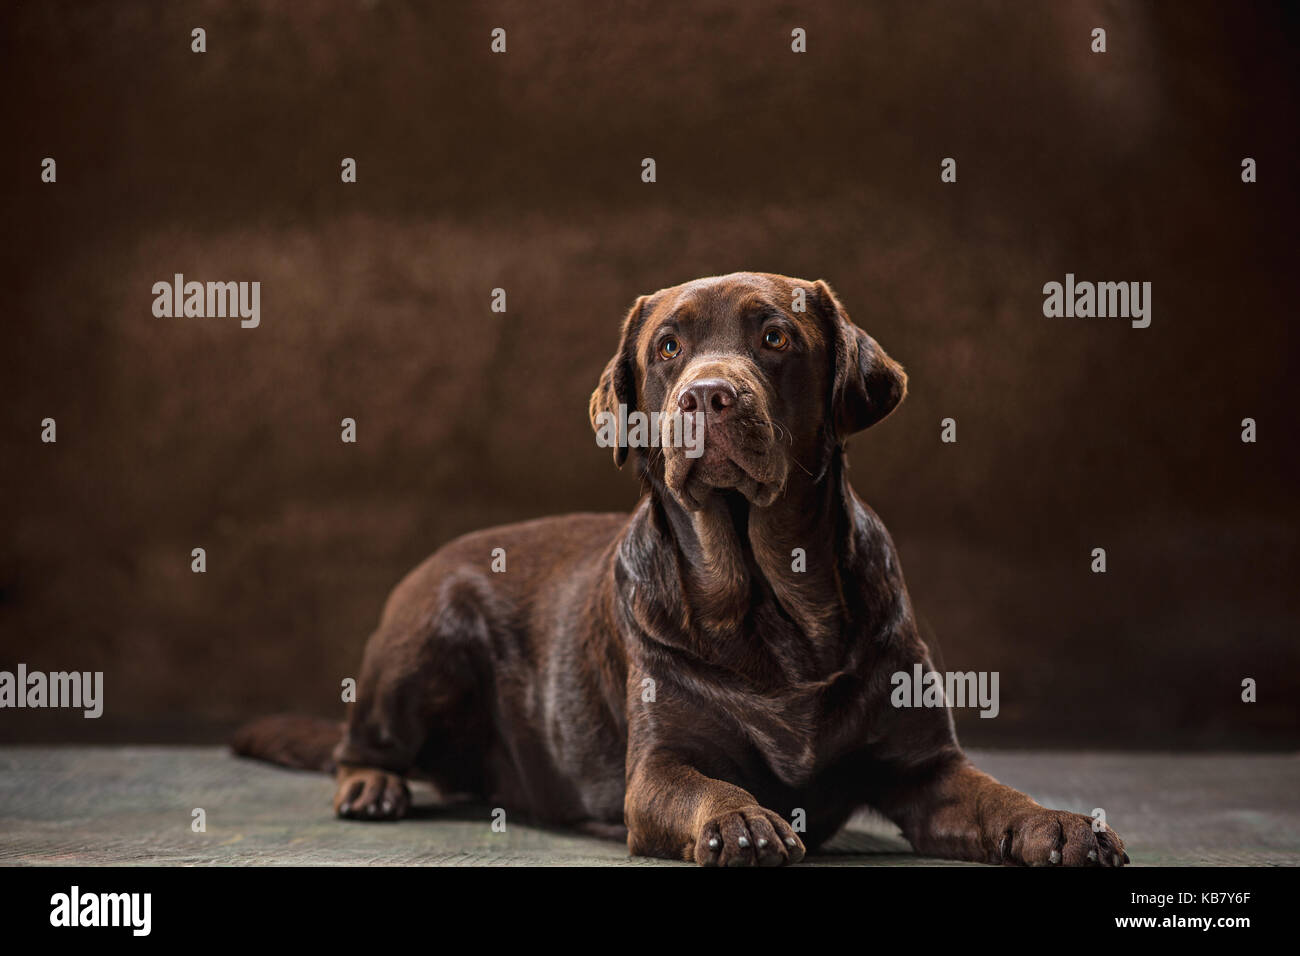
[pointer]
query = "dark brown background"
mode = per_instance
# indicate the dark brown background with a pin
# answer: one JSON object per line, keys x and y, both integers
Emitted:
{"x": 522, "y": 171}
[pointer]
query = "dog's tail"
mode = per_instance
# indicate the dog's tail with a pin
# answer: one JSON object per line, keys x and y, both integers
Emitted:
{"x": 304, "y": 743}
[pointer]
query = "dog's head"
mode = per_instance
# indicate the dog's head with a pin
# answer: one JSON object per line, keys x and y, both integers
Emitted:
{"x": 751, "y": 375}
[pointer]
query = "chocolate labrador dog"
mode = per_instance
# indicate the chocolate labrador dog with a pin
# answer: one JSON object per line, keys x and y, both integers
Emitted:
{"x": 711, "y": 673}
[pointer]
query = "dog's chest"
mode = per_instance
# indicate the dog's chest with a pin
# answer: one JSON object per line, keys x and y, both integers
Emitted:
{"x": 780, "y": 705}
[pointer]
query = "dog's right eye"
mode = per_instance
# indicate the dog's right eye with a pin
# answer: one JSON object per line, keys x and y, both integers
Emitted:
{"x": 774, "y": 338}
{"x": 669, "y": 348}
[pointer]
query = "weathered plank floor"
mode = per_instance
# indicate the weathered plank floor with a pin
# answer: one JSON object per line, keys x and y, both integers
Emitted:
{"x": 133, "y": 805}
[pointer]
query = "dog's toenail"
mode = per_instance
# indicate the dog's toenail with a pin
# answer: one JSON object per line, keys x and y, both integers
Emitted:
{"x": 789, "y": 841}
{"x": 388, "y": 806}
{"x": 713, "y": 843}
{"x": 762, "y": 842}
{"x": 742, "y": 842}
{"x": 1126, "y": 859}
{"x": 1092, "y": 855}
{"x": 1114, "y": 859}
{"x": 1056, "y": 856}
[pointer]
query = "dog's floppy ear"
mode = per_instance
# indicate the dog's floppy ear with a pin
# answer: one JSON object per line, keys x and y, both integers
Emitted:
{"x": 866, "y": 384}
{"x": 617, "y": 385}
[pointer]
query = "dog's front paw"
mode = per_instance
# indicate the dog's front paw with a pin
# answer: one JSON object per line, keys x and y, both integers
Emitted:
{"x": 368, "y": 794}
{"x": 750, "y": 836}
{"x": 1059, "y": 838}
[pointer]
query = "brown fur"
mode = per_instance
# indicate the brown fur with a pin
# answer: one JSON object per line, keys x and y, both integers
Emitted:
{"x": 531, "y": 688}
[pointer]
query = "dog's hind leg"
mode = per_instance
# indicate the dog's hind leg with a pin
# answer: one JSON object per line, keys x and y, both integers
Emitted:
{"x": 421, "y": 710}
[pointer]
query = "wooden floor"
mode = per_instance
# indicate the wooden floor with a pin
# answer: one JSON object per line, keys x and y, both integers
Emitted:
{"x": 134, "y": 805}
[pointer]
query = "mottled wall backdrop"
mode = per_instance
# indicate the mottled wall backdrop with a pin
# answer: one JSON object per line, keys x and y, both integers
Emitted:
{"x": 523, "y": 171}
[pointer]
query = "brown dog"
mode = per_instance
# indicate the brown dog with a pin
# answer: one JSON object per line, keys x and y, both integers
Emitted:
{"x": 709, "y": 669}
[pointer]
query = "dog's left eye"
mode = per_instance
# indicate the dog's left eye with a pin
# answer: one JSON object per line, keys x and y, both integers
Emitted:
{"x": 775, "y": 339}
{"x": 669, "y": 347}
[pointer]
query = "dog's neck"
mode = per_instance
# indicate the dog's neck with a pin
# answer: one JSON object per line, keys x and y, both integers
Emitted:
{"x": 791, "y": 549}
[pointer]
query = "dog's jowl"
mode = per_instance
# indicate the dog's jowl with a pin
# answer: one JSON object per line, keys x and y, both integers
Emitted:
{"x": 768, "y": 718}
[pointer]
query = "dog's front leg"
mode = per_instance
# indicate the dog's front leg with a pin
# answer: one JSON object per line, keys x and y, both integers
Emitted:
{"x": 673, "y": 810}
{"x": 953, "y": 810}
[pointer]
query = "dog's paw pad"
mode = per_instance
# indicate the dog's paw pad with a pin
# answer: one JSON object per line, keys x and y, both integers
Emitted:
{"x": 371, "y": 795}
{"x": 1058, "y": 838}
{"x": 750, "y": 836}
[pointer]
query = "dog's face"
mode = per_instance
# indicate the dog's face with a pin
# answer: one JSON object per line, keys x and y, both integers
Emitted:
{"x": 752, "y": 375}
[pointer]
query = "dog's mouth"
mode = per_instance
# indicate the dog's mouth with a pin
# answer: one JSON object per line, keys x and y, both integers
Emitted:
{"x": 742, "y": 456}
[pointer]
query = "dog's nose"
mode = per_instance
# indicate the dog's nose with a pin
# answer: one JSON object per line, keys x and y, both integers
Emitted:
{"x": 713, "y": 396}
